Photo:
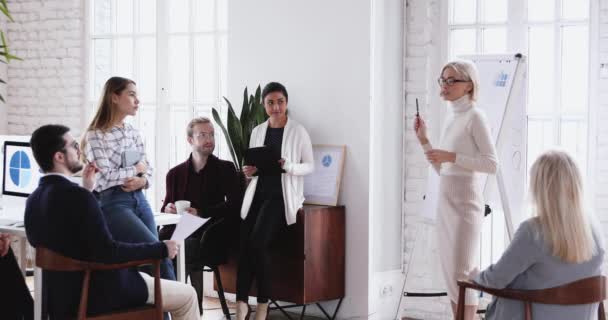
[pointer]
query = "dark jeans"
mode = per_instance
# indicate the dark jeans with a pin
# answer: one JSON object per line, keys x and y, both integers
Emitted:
{"x": 131, "y": 220}
{"x": 15, "y": 299}
{"x": 265, "y": 220}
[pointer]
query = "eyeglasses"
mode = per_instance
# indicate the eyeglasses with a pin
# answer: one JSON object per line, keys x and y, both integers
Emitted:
{"x": 206, "y": 135}
{"x": 449, "y": 81}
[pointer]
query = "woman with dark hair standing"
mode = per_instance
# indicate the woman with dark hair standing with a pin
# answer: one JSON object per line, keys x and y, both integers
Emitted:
{"x": 119, "y": 185}
{"x": 273, "y": 198}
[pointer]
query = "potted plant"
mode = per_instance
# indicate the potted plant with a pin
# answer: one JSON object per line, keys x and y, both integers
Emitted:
{"x": 238, "y": 130}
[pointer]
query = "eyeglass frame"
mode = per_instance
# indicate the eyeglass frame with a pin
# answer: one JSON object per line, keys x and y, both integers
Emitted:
{"x": 207, "y": 135}
{"x": 74, "y": 145}
{"x": 449, "y": 81}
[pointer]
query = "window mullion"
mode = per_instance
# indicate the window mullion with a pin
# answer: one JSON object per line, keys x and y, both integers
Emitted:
{"x": 516, "y": 26}
{"x": 479, "y": 28}
{"x": 163, "y": 114}
{"x": 192, "y": 50}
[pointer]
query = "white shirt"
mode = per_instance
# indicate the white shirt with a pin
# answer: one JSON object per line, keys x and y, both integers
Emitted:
{"x": 105, "y": 148}
{"x": 468, "y": 135}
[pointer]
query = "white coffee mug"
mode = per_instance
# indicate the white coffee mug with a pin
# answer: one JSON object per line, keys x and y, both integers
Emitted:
{"x": 181, "y": 206}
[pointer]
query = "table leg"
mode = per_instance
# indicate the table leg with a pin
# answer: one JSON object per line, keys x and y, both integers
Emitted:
{"x": 37, "y": 293}
{"x": 23, "y": 255}
{"x": 181, "y": 263}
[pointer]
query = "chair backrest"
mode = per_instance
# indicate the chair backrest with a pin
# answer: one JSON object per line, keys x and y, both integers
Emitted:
{"x": 584, "y": 291}
{"x": 49, "y": 260}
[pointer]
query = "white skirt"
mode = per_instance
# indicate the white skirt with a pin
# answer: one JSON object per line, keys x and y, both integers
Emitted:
{"x": 459, "y": 218}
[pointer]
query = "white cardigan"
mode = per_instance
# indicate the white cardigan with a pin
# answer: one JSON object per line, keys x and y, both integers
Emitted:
{"x": 296, "y": 149}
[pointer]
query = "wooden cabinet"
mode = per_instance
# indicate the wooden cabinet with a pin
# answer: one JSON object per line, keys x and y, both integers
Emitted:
{"x": 308, "y": 258}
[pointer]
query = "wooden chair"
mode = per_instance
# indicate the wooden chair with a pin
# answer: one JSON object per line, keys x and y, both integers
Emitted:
{"x": 52, "y": 261}
{"x": 585, "y": 291}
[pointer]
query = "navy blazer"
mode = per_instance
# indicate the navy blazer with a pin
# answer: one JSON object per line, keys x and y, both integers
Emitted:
{"x": 65, "y": 218}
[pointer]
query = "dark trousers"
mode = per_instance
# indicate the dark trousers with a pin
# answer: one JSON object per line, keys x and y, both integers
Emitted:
{"x": 15, "y": 299}
{"x": 266, "y": 218}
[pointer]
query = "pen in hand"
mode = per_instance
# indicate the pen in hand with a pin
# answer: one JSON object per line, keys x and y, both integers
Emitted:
{"x": 417, "y": 109}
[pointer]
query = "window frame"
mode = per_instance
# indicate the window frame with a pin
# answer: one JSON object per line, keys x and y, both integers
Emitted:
{"x": 164, "y": 108}
{"x": 517, "y": 38}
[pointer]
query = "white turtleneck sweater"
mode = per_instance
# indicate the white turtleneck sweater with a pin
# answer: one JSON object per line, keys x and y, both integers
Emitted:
{"x": 468, "y": 135}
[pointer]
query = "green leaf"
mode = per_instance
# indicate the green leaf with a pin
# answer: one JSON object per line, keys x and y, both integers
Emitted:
{"x": 244, "y": 110}
{"x": 236, "y": 133}
{"x": 8, "y": 56}
{"x": 258, "y": 94}
{"x": 218, "y": 120}
{"x": 4, "y": 9}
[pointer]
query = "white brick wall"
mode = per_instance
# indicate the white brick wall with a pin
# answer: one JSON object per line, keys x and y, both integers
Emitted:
{"x": 422, "y": 30}
{"x": 48, "y": 86}
{"x": 422, "y": 37}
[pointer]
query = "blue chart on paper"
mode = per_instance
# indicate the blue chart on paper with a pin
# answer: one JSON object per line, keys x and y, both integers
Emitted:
{"x": 326, "y": 161}
{"x": 20, "y": 169}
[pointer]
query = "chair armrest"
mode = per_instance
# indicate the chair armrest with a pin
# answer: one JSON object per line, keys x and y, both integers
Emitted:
{"x": 502, "y": 293}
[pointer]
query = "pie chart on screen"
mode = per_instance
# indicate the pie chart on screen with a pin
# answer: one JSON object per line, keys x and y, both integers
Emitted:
{"x": 20, "y": 169}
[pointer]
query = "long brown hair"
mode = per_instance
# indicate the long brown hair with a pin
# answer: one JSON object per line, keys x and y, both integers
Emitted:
{"x": 106, "y": 114}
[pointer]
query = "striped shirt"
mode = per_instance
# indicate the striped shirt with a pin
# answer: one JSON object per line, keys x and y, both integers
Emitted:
{"x": 106, "y": 148}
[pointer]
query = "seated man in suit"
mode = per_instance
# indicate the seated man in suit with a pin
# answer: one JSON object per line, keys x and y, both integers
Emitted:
{"x": 66, "y": 218}
{"x": 15, "y": 297}
{"x": 214, "y": 190}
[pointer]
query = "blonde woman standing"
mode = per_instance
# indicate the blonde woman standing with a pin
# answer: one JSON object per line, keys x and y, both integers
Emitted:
{"x": 561, "y": 244}
{"x": 465, "y": 151}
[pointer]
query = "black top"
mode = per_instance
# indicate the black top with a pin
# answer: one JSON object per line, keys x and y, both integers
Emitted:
{"x": 270, "y": 181}
{"x": 65, "y": 218}
{"x": 216, "y": 192}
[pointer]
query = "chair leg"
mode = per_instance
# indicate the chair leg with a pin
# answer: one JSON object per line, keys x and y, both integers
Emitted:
{"x": 460, "y": 306}
{"x": 601, "y": 313}
{"x": 196, "y": 279}
{"x": 528, "y": 310}
{"x": 220, "y": 291}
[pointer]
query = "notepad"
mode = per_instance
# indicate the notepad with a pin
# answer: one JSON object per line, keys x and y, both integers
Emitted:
{"x": 263, "y": 158}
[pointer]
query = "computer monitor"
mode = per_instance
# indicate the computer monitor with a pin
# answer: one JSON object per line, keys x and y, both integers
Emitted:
{"x": 21, "y": 173}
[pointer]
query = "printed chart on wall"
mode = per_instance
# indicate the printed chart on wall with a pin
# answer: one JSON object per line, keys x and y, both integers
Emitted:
{"x": 323, "y": 185}
{"x": 21, "y": 172}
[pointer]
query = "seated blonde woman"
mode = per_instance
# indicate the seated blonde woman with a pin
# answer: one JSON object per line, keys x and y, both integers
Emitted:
{"x": 561, "y": 244}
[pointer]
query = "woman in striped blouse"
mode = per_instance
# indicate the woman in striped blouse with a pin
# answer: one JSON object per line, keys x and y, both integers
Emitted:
{"x": 119, "y": 186}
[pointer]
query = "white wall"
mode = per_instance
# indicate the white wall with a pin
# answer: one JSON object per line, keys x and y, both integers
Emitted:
{"x": 386, "y": 158}
{"x": 320, "y": 50}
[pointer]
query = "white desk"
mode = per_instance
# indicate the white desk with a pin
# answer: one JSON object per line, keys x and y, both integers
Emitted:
{"x": 161, "y": 219}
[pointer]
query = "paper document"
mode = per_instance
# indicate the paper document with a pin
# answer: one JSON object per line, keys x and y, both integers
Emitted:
{"x": 188, "y": 223}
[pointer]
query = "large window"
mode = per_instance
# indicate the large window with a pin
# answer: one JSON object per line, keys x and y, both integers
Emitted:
{"x": 554, "y": 34}
{"x": 175, "y": 50}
